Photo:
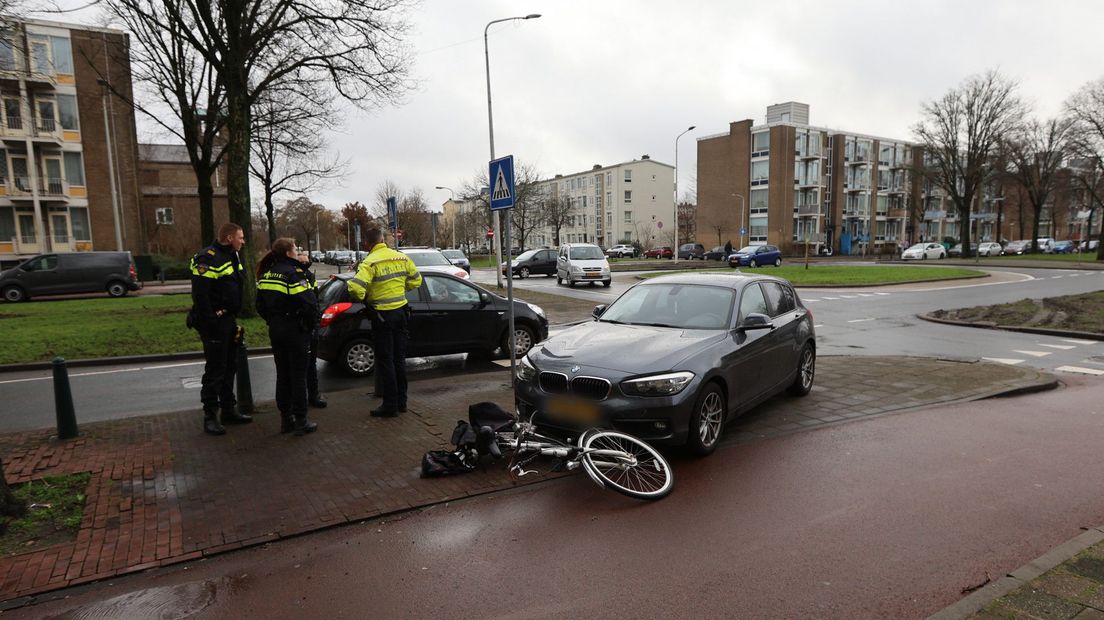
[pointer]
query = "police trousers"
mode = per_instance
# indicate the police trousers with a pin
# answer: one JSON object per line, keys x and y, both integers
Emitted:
{"x": 220, "y": 354}
{"x": 390, "y": 331}
{"x": 291, "y": 351}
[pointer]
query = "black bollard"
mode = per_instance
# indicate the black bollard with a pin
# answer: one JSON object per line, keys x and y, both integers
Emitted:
{"x": 245, "y": 388}
{"x": 63, "y": 401}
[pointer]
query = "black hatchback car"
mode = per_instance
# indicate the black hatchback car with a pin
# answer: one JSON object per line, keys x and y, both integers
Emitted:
{"x": 673, "y": 359}
{"x": 533, "y": 262}
{"x": 450, "y": 315}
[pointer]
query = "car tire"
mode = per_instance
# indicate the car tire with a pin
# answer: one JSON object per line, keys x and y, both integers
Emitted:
{"x": 523, "y": 273}
{"x": 607, "y": 283}
{"x": 753, "y": 264}
{"x": 778, "y": 262}
{"x": 942, "y": 255}
{"x": 524, "y": 339}
{"x": 570, "y": 283}
{"x": 116, "y": 289}
{"x": 707, "y": 421}
{"x": 806, "y": 372}
{"x": 358, "y": 357}
{"x": 14, "y": 293}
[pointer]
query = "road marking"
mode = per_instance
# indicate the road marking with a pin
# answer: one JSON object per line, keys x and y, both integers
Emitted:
{"x": 1076, "y": 341}
{"x": 1063, "y": 347}
{"x": 1080, "y": 370}
{"x": 862, "y": 320}
{"x": 818, "y": 325}
{"x": 1056, "y": 277}
{"x": 847, "y": 296}
{"x": 808, "y": 300}
{"x": 882, "y": 293}
{"x": 1034, "y": 353}
{"x": 831, "y": 298}
{"x": 1003, "y": 360}
{"x": 865, "y": 295}
{"x": 119, "y": 370}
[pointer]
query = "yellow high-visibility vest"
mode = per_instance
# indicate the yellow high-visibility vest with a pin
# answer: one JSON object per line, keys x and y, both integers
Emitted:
{"x": 383, "y": 278}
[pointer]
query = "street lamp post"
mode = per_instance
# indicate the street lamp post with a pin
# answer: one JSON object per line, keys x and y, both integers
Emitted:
{"x": 674, "y": 257}
{"x": 490, "y": 130}
{"x": 741, "y": 225}
{"x": 452, "y": 197}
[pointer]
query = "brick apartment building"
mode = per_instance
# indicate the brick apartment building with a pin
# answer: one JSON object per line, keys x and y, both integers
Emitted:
{"x": 170, "y": 199}
{"x": 68, "y": 150}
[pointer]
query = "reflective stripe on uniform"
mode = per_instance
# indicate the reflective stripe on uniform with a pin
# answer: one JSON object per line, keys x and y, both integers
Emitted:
{"x": 388, "y": 276}
{"x": 388, "y": 300}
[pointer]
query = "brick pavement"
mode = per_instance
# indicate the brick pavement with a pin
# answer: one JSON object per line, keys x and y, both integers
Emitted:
{"x": 162, "y": 492}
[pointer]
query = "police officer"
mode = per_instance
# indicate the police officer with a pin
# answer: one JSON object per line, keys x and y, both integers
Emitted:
{"x": 216, "y": 301}
{"x": 381, "y": 283}
{"x": 286, "y": 300}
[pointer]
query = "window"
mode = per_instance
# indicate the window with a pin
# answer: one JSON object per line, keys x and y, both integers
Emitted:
{"x": 63, "y": 55}
{"x": 609, "y": 178}
{"x": 758, "y": 228}
{"x": 40, "y": 54}
{"x": 7, "y": 52}
{"x": 42, "y": 263}
{"x": 758, "y": 203}
{"x": 442, "y": 290}
{"x": 628, "y": 195}
{"x": 165, "y": 215}
{"x": 74, "y": 171}
{"x": 760, "y": 170}
{"x": 7, "y": 224}
{"x": 760, "y": 144}
{"x": 78, "y": 221}
{"x": 628, "y": 217}
{"x": 609, "y": 198}
{"x": 752, "y": 301}
{"x": 67, "y": 110}
{"x": 628, "y": 175}
{"x": 780, "y": 297}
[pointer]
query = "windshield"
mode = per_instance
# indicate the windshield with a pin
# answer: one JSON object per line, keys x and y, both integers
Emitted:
{"x": 526, "y": 255}
{"x": 918, "y": 246}
{"x": 748, "y": 249}
{"x": 428, "y": 259}
{"x": 453, "y": 253}
{"x": 586, "y": 252}
{"x": 683, "y": 306}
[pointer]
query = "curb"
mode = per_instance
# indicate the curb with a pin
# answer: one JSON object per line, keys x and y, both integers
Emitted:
{"x": 977, "y": 600}
{"x": 1012, "y": 328}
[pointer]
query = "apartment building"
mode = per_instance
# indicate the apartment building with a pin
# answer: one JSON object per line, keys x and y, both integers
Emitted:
{"x": 788, "y": 183}
{"x": 67, "y": 148}
{"x": 170, "y": 199}
{"x": 631, "y": 201}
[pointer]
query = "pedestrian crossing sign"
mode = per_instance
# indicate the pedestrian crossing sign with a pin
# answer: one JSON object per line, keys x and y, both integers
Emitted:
{"x": 502, "y": 183}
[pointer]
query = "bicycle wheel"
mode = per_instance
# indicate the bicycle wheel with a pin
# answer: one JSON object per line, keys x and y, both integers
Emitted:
{"x": 626, "y": 464}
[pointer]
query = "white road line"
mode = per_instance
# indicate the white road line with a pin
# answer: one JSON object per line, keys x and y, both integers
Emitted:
{"x": 847, "y": 296}
{"x": 119, "y": 370}
{"x": 862, "y": 320}
{"x": 1062, "y": 347}
{"x": 808, "y": 300}
{"x": 866, "y": 295}
{"x": 1033, "y": 353}
{"x": 883, "y": 293}
{"x": 1056, "y": 277}
{"x": 1080, "y": 370}
{"x": 831, "y": 298}
{"x": 1076, "y": 341}
{"x": 1003, "y": 360}
{"x": 818, "y": 325}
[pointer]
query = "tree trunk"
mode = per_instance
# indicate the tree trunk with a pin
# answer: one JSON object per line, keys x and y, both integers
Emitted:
{"x": 270, "y": 214}
{"x": 237, "y": 163}
{"x": 9, "y": 506}
{"x": 206, "y": 207}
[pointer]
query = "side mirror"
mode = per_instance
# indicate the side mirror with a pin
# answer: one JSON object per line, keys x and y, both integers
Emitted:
{"x": 598, "y": 310}
{"x": 484, "y": 299}
{"x": 756, "y": 321}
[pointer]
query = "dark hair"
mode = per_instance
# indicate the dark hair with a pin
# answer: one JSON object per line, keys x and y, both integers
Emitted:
{"x": 226, "y": 230}
{"x": 280, "y": 247}
{"x": 373, "y": 237}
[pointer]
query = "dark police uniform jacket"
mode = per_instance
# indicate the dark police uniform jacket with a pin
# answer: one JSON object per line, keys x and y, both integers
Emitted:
{"x": 287, "y": 290}
{"x": 216, "y": 283}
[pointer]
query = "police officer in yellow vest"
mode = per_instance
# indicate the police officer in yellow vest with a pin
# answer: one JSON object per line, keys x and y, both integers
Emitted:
{"x": 216, "y": 301}
{"x": 381, "y": 282}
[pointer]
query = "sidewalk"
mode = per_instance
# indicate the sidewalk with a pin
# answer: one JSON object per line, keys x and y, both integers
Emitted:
{"x": 162, "y": 492}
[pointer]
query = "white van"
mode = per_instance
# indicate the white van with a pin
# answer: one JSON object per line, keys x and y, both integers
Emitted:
{"x": 582, "y": 262}
{"x": 1046, "y": 245}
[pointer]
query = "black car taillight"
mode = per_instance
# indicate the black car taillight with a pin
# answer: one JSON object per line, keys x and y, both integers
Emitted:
{"x": 330, "y": 313}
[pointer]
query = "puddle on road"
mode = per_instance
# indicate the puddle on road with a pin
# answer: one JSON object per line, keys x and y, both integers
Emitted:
{"x": 179, "y": 601}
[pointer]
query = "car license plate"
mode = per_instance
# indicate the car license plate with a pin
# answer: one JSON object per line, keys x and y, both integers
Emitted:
{"x": 572, "y": 410}
{"x": 593, "y": 275}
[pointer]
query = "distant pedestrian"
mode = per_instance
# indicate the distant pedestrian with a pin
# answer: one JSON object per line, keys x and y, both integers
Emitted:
{"x": 314, "y": 397}
{"x": 728, "y": 249}
{"x": 216, "y": 302}
{"x": 287, "y": 302}
{"x": 381, "y": 282}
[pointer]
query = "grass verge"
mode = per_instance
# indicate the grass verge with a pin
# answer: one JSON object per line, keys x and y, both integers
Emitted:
{"x": 558, "y": 308}
{"x": 104, "y": 327}
{"x": 847, "y": 275}
{"x": 1083, "y": 313}
{"x": 55, "y": 507}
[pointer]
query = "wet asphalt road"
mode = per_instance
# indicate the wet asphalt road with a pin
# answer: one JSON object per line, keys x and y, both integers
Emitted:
{"x": 885, "y": 517}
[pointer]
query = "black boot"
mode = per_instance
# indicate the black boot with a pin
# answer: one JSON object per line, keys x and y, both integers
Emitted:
{"x": 231, "y": 416}
{"x": 211, "y": 424}
{"x": 287, "y": 424}
{"x": 317, "y": 401}
{"x": 304, "y": 426}
{"x": 383, "y": 411}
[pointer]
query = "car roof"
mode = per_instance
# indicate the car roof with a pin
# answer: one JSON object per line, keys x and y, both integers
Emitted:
{"x": 729, "y": 280}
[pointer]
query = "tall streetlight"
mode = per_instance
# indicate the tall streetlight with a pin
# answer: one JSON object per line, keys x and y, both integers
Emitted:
{"x": 741, "y": 229}
{"x": 674, "y": 256}
{"x": 490, "y": 130}
{"x": 452, "y": 197}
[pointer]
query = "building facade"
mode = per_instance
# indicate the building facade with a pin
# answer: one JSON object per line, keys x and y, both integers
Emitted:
{"x": 170, "y": 199}
{"x": 627, "y": 202}
{"x": 68, "y": 148}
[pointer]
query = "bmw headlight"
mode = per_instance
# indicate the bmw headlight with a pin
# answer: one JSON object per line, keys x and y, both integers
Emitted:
{"x": 658, "y": 385}
{"x": 537, "y": 310}
{"x": 526, "y": 371}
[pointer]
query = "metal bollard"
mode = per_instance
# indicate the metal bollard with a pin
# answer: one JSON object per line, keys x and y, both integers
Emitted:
{"x": 63, "y": 401}
{"x": 245, "y": 388}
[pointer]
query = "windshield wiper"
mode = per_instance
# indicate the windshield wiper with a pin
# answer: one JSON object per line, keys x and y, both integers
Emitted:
{"x": 655, "y": 324}
{"x": 612, "y": 321}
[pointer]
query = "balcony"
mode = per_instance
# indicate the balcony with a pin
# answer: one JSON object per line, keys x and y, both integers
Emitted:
{"x": 897, "y": 213}
{"x": 19, "y": 189}
{"x": 808, "y": 210}
{"x": 13, "y": 129}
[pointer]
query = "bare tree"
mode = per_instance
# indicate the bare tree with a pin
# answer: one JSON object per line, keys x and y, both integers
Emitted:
{"x": 645, "y": 232}
{"x": 555, "y": 212}
{"x": 960, "y": 133}
{"x": 1036, "y": 153}
{"x": 1086, "y": 110}
{"x": 288, "y": 147}
{"x": 302, "y": 219}
{"x": 415, "y": 218}
{"x": 528, "y": 211}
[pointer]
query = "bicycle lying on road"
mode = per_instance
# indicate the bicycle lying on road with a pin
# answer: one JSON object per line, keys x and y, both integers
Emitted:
{"x": 613, "y": 460}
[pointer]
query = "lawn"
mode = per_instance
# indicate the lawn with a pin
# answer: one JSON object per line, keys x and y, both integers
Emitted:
{"x": 55, "y": 507}
{"x": 38, "y": 331}
{"x": 1083, "y": 313}
{"x": 1088, "y": 257}
{"x": 847, "y": 275}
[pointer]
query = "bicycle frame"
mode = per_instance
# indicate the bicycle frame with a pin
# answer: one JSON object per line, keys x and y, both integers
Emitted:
{"x": 521, "y": 444}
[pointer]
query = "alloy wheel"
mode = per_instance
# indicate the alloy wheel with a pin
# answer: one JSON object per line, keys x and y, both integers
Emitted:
{"x": 711, "y": 415}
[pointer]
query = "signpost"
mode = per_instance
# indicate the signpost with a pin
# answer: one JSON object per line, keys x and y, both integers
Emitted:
{"x": 393, "y": 216}
{"x": 503, "y": 196}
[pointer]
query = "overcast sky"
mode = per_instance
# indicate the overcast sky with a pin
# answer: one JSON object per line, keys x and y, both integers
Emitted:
{"x": 603, "y": 82}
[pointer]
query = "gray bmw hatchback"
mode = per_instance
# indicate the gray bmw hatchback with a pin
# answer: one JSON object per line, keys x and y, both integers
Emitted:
{"x": 673, "y": 359}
